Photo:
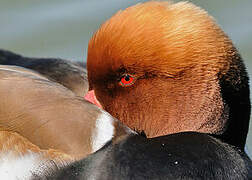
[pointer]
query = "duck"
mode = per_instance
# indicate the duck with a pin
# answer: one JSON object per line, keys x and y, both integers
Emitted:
{"x": 47, "y": 126}
{"x": 168, "y": 72}
{"x": 164, "y": 68}
{"x": 69, "y": 73}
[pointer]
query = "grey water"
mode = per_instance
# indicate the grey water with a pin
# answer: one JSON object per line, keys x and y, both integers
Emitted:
{"x": 62, "y": 28}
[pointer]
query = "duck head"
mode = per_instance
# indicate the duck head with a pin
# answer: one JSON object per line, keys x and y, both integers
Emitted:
{"x": 163, "y": 68}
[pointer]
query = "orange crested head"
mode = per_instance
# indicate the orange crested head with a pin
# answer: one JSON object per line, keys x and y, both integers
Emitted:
{"x": 164, "y": 68}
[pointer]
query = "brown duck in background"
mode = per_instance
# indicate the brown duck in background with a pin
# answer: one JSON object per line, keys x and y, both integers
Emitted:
{"x": 42, "y": 121}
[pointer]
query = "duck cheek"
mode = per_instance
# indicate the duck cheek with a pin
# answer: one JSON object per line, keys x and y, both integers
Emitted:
{"x": 104, "y": 97}
{"x": 140, "y": 108}
{"x": 124, "y": 109}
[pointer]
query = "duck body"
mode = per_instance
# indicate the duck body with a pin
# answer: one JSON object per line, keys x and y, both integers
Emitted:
{"x": 29, "y": 103}
{"x": 187, "y": 155}
{"x": 21, "y": 159}
{"x": 70, "y": 74}
{"x": 44, "y": 125}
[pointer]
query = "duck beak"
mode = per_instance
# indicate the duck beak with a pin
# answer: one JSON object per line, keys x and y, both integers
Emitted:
{"x": 90, "y": 96}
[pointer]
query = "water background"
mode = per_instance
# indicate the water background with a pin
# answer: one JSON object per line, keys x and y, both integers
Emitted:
{"x": 62, "y": 28}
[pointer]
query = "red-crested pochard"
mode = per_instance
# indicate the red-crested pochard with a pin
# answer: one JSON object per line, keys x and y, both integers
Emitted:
{"x": 163, "y": 68}
{"x": 70, "y": 74}
{"x": 44, "y": 125}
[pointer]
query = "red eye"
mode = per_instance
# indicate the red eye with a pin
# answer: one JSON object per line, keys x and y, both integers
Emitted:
{"x": 127, "y": 80}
